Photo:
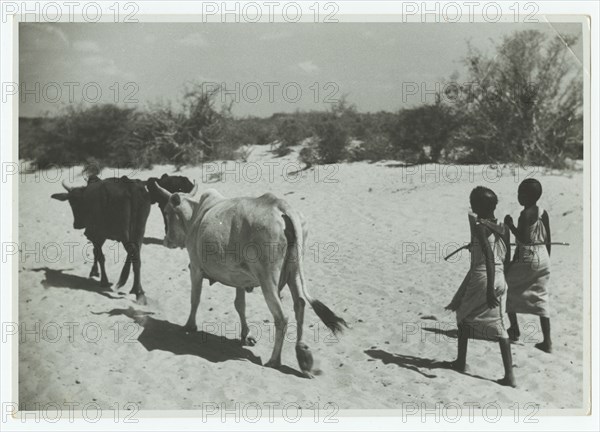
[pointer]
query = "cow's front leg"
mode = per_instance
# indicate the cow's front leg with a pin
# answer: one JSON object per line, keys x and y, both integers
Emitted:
{"x": 99, "y": 256}
{"x": 196, "y": 277}
{"x": 165, "y": 221}
{"x": 133, "y": 250}
{"x": 94, "y": 270}
{"x": 240, "y": 307}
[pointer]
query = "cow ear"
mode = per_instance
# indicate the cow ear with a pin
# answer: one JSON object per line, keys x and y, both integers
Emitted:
{"x": 60, "y": 196}
{"x": 175, "y": 200}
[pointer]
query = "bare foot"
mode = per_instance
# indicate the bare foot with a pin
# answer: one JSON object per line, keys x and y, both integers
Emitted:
{"x": 544, "y": 346}
{"x": 507, "y": 381}
{"x": 513, "y": 334}
{"x": 273, "y": 364}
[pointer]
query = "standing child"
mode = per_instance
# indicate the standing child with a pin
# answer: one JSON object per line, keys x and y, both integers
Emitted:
{"x": 529, "y": 273}
{"x": 480, "y": 301}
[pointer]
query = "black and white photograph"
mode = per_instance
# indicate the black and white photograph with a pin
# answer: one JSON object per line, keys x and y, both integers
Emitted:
{"x": 262, "y": 211}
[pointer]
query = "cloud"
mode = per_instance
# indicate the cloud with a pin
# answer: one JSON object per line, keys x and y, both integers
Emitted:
{"x": 106, "y": 66}
{"x": 86, "y": 46}
{"x": 309, "y": 67}
{"x": 194, "y": 40}
{"x": 56, "y": 31}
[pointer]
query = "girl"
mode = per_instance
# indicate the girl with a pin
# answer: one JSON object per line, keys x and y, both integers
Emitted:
{"x": 480, "y": 301}
{"x": 529, "y": 273}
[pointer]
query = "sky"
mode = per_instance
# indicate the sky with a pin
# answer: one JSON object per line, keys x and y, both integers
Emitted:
{"x": 266, "y": 68}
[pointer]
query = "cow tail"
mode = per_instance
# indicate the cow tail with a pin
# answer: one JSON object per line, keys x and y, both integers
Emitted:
{"x": 294, "y": 264}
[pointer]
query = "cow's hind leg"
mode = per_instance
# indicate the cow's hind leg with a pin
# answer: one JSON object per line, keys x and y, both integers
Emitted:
{"x": 240, "y": 307}
{"x": 196, "y": 277}
{"x": 98, "y": 255}
{"x": 303, "y": 354}
{"x": 124, "y": 272}
{"x": 133, "y": 252}
{"x": 271, "y": 293}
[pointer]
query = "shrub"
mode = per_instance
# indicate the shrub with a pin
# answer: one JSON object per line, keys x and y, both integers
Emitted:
{"x": 332, "y": 139}
{"x": 309, "y": 154}
{"x": 375, "y": 147}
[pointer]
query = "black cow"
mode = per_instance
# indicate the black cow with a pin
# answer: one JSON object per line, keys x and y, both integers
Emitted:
{"x": 115, "y": 209}
{"x": 171, "y": 183}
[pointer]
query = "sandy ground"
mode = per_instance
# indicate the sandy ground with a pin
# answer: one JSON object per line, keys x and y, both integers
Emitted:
{"x": 377, "y": 233}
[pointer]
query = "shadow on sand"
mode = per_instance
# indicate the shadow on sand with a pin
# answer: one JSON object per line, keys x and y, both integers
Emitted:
{"x": 152, "y": 241}
{"x": 166, "y": 336}
{"x": 414, "y": 363}
{"x": 58, "y": 279}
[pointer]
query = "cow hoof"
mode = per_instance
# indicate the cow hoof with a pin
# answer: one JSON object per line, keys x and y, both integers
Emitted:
{"x": 141, "y": 300}
{"x": 305, "y": 357}
{"x": 94, "y": 273}
{"x": 273, "y": 364}
{"x": 189, "y": 328}
{"x": 248, "y": 341}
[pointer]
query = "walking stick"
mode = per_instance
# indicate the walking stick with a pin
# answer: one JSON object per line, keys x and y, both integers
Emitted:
{"x": 446, "y": 258}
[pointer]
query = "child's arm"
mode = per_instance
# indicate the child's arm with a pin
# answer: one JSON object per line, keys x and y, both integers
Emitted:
{"x": 546, "y": 222}
{"x": 481, "y": 235}
{"x": 506, "y": 238}
{"x": 521, "y": 231}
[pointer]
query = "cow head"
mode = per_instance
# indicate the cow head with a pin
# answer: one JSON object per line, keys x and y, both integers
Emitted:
{"x": 171, "y": 184}
{"x": 178, "y": 210}
{"x": 75, "y": 196}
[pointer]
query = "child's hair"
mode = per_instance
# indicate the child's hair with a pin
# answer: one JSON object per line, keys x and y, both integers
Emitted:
{"x": 531, "y": 189}
{"x": 483, "y": 200}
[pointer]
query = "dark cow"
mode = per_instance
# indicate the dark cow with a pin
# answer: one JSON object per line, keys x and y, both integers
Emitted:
{"x": 172, "y": 184}
{"x": 115, "y": 209}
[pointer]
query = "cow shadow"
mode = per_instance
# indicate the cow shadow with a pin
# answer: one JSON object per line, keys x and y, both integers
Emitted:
{"x": 58, "y": 279}
{"x": 165, "y": 336}
{"x": 152, "y": 241}
{"x": 414, "y": 363}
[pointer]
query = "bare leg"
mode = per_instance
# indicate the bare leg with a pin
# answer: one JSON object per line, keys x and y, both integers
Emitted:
{"x": 509, "y": 378}
{"x": 303, "y": 353}
{"x": 460, "y": 364}
{"x": 240, "y": 307}
{"x": 196, "y": 277}
{"x": 546, "y": 344}
{"x": 463, "y": 342}
{"x": 269, "y": 289}
{"x": 513, "y": 332}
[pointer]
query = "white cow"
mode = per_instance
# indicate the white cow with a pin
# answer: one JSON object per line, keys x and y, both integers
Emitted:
{"x": 245, "y": 243}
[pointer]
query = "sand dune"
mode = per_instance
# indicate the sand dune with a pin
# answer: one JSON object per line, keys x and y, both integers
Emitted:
{"x": 377, "y": 233}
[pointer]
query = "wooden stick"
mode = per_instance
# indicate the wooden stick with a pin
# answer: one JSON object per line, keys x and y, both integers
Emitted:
{"x": 512, "y": 244}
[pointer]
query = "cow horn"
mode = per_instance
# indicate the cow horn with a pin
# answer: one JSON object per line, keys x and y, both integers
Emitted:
{"x": 162, "y": 191}
{"x": 66, "y": 187}
{"x": 194, "y": 189}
